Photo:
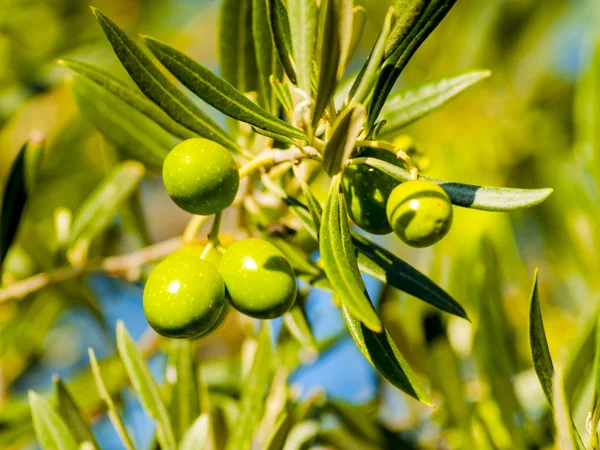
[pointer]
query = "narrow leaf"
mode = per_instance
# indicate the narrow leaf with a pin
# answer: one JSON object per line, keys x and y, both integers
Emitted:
{"x": 381, "y": 351}
{"x": 540, "y": 353}
{"x": 104, "y": 394}
{"x": 158, "y": 88}
{"x": 314, "y": 207}
{"x": 19, "y": 186}
{"x": 133, "y": 133}
{"x": 70, "y": 412}
{"x": 218, "y": 92}
{"x": 354, "y": 418}
{"x": 359, "y": 20}
{"x": 345, "y": 10}
{"x": 330, "y": 51}
{"x": 145, "y": 387}
{"x": 265, "y": 48}
{"x": 185, "y": 398}
{"x": 198, "y": 435}
{"x": 51, "y": 430}
{"x": 254, "y": 393}
{"x": 296, "y": 322}
{"x": 283, "y": 94}
{"x": 407, "y": 14}
{"x": 96, "y": 212}
{"x": 485, "y": 198}
{"x": 303, "y": 26}
{"x": 340, "y": 264}
{"x": 302, "y": 435}
{"x": 130, "y": 96}
{"x": 280, "y": 28}
{"x": 346, "y": 129}
{"x": 408, "y": 105}
{"x": 393, "y": 271}
{"x": 567, "y": 433}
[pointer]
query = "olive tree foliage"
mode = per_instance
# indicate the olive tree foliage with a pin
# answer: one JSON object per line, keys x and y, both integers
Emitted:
{"x": 296, "y": 114}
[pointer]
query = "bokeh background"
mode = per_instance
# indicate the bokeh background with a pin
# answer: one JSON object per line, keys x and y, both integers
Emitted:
{"x": 534, "y": 123}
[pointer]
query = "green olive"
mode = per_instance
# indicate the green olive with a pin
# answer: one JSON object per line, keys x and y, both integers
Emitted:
{"x": 260, "y": 281}
{"x": 367, "y": 190}
{"x": 420, "y": 212}
{"x": 183, "y": 297}
{"x": 201, "y": 176}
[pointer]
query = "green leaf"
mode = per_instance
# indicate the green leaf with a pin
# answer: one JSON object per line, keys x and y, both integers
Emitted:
{"x": 345, "y": 11}
{"x": 339, "y": 437}
{"x": 70, "y": 412}
{"x": 279, "y": 431}
{"x": 330, "y": 53}
{"x": 298, "y": 259}
{"x": 296, "y": 323}
{"x": 132, "y": 132}
{"x": 185, "y": 398}
{"x": 19, "y": 186}
{"x": 346, "y": 129}
{"x": 567, "y": 434}
{"x": 283, "y": 94}
{"x": 303, "y": 26}
{"x": 236, "y": 47}
{"x": 104, "y": 394}
{"x": 217, "y": 92}
{"x": 314, "y": 207}
{"x": 407, "y": 14}
{"x": 158, "y": 88}
{"x": 145, "y": 387}
{"x": 302, "y": 435}
{"x": 393, "y": 271}
{"x": 540, "y": 353}
{"x": 363, "y": 84}
{"x": 485, "y": 198}
{"x": 96, "y": 212}
{"x": 198, "y": 435}
{"x": 130, "y": 96}
{"x": 339, "y": 261}
{"x": 267, "y": 62}
{"x": 359, "y": 20}
{"x": 408, "y": 105}
{"x": 254, "y": 392}
{"x": 434, "y": 13}
{"x": 51, "y": 430}
{"x": 280, "y": 29}
{"x": 354, "y": 418}
{"x": 381, "y": 351}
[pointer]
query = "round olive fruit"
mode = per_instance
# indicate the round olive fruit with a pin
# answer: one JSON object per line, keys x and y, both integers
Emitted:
{"x": 201, "y": 176}
{"x": 183, "y": 297}
{"x": 420, "y": 212}
{"x": 260, "y": 281}
{"x": 367, "y": 190}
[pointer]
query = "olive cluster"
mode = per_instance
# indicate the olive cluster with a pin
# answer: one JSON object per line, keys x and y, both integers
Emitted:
{"x": 188, "y": 294}
{"x": 419, "y": 212}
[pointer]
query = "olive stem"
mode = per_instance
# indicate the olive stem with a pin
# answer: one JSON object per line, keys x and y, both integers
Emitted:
{"x": 213, "y": 234}
{"x": 400, "y": 153}
{"x": 113, "y": 265}
{"x": 193, "y": 227}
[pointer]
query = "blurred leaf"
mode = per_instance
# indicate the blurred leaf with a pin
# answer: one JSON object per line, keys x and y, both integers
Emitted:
{"x": 279, "y": 432}
{"x": 346, "y": 129}
{"x": 330, "y": 53}
{"x": 485, "y": 198}
{"x": 145, "y": 387}
{"x": 540, "y": 353}
{"x": 359, "y": 21}
{"x": 303, "y": 26}
{"x": 434, "y": 13}
{"x": 280, "y": 27}
{"x": 363, "y": 83}
{"x": 254, "y": 392}
{"x": 298, "y": 259}
{"x": 52, "y": 432}
{"x": 407, "y": 14}
{"x": 393, "y": 271}
{"x": 408, "y": 105}
{"x": 95, "y": 214}
{"x": 341, "y": 438}
{"x": 567, "y": 433}
{"x": 185, "y": 397}
{"x": 130, "y": 96}
{"x": 339, "y": 260}
{"x": 296, "y": 322}
{"x": 104, "y": 394}
{"x": 355, "y": 419}
{"x": 158, "y": 88}
{"x": 19, "y": 186}
{"x": 198, "y": 435}
{"x": 302, "y": 435}
{"x": 218, "y": 92}
{"x": 132, "y": 132}
{"x": 70, "y": 412}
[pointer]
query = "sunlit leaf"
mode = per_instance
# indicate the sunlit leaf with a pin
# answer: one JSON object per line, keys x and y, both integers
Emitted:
{"x": 345, "y": 132}
{"x": 408, "y": 105}
{"x": 296, "y": 322}
{"x": 359, "y": 21}
{"x": 71, "y": 414}
{"x": 197, "y": 437}
{"x": 407, "y": 14}
{"x": 486, "y": 198}
{"x": 218, "y": 92}
{"x": 303, "y": 26}
{"x": 280, "y": 27}
{"x": 158, "y": 88}
{"x": 185, "y": 399}
{"x": 266, "y": 58}
{"x": 51, "y": 430}
{"x": 302, "y": 434}
{"x": 145, "y": 387}
{"x": 567, "y": 434}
